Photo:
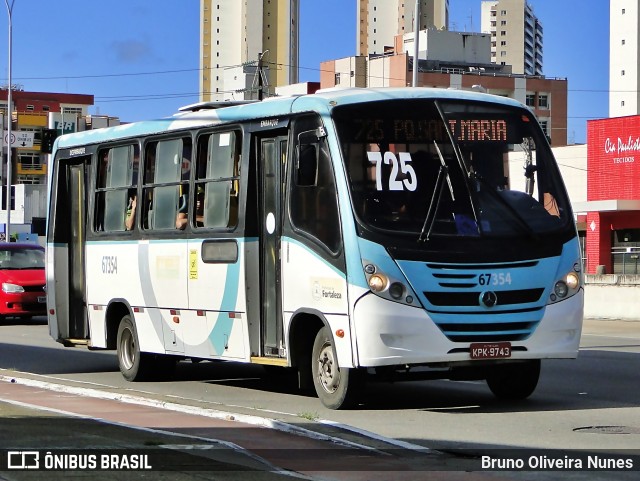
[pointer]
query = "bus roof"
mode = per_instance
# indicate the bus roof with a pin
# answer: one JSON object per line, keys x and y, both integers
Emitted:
{"x": 322, "y": 101}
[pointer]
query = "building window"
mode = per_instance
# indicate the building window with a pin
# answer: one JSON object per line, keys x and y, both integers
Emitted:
{"x": 503, "y": 32}
{"x": 503, "y": 12}
{"x": 29, "y": 161}
{"x": 503, "y": 43}
{"x": 72, "y": 110}
{"x": 622, "y": 73}
{"x": 623, "y": 11}
{"x": 623, "y": 41}
{"x": 622, "y": 104}
{"x": 337, "y": 78}
{"x": 545, "y": 127}
{"x": 30, "y": 108}
{"x": 503, "y": 22}
{"x": 46, "y": 108}
{"x": 543, "y": 101}
{"x": 531, "y": 100}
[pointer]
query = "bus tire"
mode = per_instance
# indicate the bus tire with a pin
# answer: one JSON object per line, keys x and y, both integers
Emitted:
{"x": 514, "y": 381}
{"x": 336, "y": 387}
{"x": 134, "y": 365}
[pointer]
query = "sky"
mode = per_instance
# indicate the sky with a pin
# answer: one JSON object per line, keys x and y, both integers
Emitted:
{"x": 140, "y": 58}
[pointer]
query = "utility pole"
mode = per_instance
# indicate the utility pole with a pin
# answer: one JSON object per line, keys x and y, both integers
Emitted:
{"x": 7, "y": 230}
{"x": 260, "y": 84}
{"x": 416, "y": 46}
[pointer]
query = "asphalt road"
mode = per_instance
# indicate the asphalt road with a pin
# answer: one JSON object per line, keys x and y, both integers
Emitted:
{"x": 586, "y": 404}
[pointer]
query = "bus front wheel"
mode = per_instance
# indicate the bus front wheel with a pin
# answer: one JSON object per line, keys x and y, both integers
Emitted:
{"x": 514, "y": 381}
{"x": 134, "y": 365}
{"x": 336, "y": 387}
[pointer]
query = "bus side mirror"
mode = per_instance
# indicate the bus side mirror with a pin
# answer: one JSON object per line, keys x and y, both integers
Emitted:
{"x": 308, "y": 151}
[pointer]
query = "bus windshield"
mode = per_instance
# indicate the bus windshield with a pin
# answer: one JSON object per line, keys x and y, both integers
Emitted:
{"x": 428, "y": 167}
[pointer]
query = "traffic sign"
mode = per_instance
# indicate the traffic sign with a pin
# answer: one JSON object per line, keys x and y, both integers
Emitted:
{"x": 19, "y": 138}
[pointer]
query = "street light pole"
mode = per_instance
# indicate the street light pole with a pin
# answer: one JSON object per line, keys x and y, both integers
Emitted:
{"x": 7, "y": 230}
{"x": 416, "y": 44}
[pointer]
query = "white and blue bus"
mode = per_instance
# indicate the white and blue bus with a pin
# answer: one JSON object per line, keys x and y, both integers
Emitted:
{"x": 406, "y": 233}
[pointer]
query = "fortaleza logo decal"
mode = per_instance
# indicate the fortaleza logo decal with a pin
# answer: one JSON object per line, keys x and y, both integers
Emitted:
{"x": 622, "y": 147}
{"x": 326, "y": 289}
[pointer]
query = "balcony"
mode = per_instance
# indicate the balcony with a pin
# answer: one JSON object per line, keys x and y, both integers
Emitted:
{"x": 31, "y": 169}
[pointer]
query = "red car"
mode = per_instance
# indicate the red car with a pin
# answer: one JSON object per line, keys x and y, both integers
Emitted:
{"x": 23, "y": 280}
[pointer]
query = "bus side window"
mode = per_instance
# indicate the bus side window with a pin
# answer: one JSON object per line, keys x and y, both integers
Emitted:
{"x": 313, "y": 200}
{"x": 116, "y": 182}
{"x": 307, "y": 167}
{"x": 167, "y": 165}
{"x": 217, "y": 179}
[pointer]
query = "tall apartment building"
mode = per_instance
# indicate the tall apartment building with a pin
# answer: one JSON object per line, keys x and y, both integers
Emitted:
{"x": 379, "y": 21}
{"x": 516, "y": 35}
{"x": 624, "y": 57}
{"x": 234, "y": 34}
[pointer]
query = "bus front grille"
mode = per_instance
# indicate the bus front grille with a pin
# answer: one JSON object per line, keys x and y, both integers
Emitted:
{"x": 462, "y": 317}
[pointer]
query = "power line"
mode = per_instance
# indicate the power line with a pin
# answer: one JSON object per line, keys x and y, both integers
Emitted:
{"x": 314, "y": 69}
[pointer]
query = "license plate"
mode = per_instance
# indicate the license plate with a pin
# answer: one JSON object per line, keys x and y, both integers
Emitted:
{"x": 42, "y": 299}
{"x": 494, "y": 350}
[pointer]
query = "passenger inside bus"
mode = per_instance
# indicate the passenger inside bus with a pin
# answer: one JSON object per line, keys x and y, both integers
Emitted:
{"x": 182, "y": 217}
{"x": 130, "y": 218}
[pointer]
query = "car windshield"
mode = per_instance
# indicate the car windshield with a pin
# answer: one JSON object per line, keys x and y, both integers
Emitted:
{"x": 21, "y": 258}
{"x": 426, "y": 167}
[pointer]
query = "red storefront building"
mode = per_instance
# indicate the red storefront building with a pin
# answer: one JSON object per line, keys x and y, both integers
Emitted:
{"x": 613, "y": 196}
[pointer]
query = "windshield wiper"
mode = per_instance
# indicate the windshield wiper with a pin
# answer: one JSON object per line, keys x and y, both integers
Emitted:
{"x": 443, "y": 174}
{"x": 514, "y": 213}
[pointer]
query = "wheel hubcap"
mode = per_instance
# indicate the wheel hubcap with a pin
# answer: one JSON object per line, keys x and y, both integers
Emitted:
{"x": 328, "y": 369}
{"x": 128, "y": 349}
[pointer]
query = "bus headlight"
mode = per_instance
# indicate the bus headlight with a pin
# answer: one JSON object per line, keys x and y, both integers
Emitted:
{"x": 378, "y": 282}
{"x": 386, "y": 286}
{"x": 567, "y": 286}
{"x": 572, "y": 280}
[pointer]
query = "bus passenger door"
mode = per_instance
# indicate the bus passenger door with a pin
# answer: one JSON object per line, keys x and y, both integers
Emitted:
{"x": 68, "y": 238}
{"x": 273, "y": 153}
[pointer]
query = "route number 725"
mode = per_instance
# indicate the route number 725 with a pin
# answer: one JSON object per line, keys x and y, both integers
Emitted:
{"x": 402, "y": 175}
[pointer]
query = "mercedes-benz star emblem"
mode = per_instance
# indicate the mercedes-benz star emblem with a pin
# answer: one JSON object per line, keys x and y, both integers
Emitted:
{"x": 489, "y": 298}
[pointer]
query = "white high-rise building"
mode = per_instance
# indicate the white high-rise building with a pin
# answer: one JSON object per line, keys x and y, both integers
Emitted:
{"x": 624, "y": 56}
{"x": 236, "y": 32}
{"x": 379, "y": 21}
{"x": 516, "y": 35}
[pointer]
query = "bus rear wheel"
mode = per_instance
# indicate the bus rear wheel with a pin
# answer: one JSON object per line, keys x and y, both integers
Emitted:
{"x": 514, "y": 381}
{"x": 336, "y": 387}
{"x": 134, "y": 365}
